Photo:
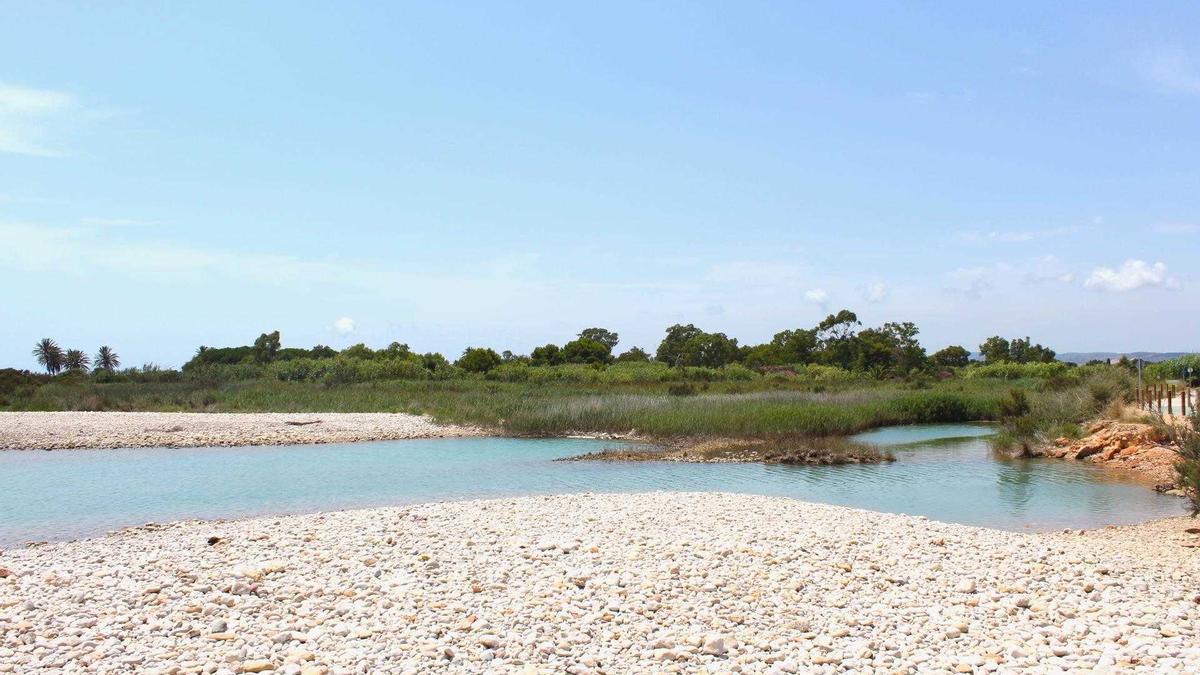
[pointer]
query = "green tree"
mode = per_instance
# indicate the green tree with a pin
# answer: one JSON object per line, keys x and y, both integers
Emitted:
{"x": 266, "y": 346}
{"x": 359, "y": 351}
{"x": 954, "y": 356}
{"x": 634, "y": 355}
{"x": 994, "y": 349}
{"x": 107, "y": 359}
{"x": 711, "y": 350}
{"x": 875, "y": 352}
{"x": 670, "y": 350}
{"x": 396, "y": 350}
{"x": 546, "y": 355}
{"x": 434, "y": 362}
{"x": 322, "y": 352}
{"x": 757, "y": 356}
{"x": 585, "y": 350}
{"x": 76, "y": 361}
{"x": 909, "y": 354}
{"x": 601, "y": 335}
{"x": 50, "y": 355}
{"x": 835, "y": 337}
{"x": 794, "y": 346}
{"x": 478, "y": 359}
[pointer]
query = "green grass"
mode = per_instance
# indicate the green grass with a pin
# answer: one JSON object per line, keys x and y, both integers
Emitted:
{"x": 733, "y": 409}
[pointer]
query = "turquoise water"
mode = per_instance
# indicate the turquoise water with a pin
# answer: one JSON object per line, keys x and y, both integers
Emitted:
{"x": 945, "y": 472}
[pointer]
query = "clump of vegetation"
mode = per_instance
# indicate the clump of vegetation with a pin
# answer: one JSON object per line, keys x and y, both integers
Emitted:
{"x": 800, "y": 450}
{"x": 1037, "y": 415}
{"x": 1176, "y": 369}
{"x": 1186, "y": 437}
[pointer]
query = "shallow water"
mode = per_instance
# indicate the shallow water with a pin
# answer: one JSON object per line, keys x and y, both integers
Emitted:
{"x": 945, "y": 472}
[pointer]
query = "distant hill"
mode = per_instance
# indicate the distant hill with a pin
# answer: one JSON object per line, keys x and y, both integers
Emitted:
{"x": 1148, "y": 357}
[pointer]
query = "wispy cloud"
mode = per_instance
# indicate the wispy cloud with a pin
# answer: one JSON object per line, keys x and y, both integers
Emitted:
{"x": 974, "y": 282}
{"x": 1130, "y": 276}
{"x": 1047, "y": 268}
{"x": 1014, "y": 236}
{"x": 817, "y": 296}
{"x": 344, "y": 325}
{"x": 26, "y": 116}
{"x": 113, "y": 222}
{"x": 756, "y": 272}
{"x": 1172, "y": 69}
{"x": 875, "y": 292}
{"x": 35, "y": 248}
{"x": 1178, "y": 228}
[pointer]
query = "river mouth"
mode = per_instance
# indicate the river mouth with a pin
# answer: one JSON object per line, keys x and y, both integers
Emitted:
{"x": 944, "y": 472}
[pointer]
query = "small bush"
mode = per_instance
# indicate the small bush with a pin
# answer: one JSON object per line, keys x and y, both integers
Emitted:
{"x": 1016, "y": 404}
{"x": 682, "y": 389}
{"x": 1186, "y": 436}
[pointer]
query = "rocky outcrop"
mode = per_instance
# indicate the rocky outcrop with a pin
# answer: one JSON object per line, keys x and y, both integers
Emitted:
{"x": 1140, "y": 448}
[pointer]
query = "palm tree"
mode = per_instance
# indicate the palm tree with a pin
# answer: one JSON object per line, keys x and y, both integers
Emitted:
{"x": 49, "y": 354}
{"x": 76, "y": 360}
{"x": 106, "y": 359}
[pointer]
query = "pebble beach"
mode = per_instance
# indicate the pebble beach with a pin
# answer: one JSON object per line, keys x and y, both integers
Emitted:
{"x": 94, "y": 430}
{"x": 592, "y": 583}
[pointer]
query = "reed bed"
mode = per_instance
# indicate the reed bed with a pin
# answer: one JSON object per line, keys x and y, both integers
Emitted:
{"x": 553, "y": 409}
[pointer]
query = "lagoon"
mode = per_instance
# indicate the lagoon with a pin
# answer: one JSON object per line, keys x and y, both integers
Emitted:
{"x": 944, "y": 472}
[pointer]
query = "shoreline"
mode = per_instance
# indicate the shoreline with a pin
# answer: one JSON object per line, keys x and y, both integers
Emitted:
{"x": 76, "y": 430}
{"x": 1134, "y": 448}
{"x": 602, "y": 582}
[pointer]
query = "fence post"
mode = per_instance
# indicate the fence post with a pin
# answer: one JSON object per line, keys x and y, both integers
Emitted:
{"x": 1171, "y": 400}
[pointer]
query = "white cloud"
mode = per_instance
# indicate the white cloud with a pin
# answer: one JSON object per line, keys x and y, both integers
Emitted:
{"x": 25, "y": 114}
{"x": 875, "y": 292}
{"x": 756, "y": 272}
{"x": 1171, "y": 69}
{"x": 817, "y": 296}
{"x": 344, "y": 325}
{"x": 25, "y": 101}
{"x": 1132, "y": 275}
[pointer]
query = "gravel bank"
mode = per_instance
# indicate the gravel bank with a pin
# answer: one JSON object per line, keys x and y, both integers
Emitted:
{"x": 76, "y": 430}
{"x": 603, "y": 583}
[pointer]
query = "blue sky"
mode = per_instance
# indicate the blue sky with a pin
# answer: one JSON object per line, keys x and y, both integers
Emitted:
{"x": 177, "y": 175}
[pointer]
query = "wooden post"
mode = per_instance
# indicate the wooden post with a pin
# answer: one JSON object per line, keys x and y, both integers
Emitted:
{"x": 1171, "y": 400}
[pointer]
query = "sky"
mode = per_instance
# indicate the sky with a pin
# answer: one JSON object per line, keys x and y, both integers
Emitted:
{"x": 456, "y": 174}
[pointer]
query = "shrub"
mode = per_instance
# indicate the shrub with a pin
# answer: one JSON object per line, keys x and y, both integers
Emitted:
{"x": 584, "y": 350}
{"x": 1187, "y": 469}
{"x": 478, "y": 359}
{"x": 1016, "y": 404}
{"x": 1175, "y": 369}
{"x": 682, "y": 389}
{"x": 1016, "y": 371}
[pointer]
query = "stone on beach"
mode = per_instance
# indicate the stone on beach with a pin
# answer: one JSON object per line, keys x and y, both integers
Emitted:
{"x": 658, "y": 582}
{"x": 81, "y": 430}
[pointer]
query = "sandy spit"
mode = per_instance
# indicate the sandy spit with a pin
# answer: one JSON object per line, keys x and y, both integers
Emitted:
{"x": 657, "y": 582}
{"x": 77, "y": 430}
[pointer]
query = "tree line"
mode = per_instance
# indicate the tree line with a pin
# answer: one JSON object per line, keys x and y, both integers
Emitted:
{"x": 840, "y": 340}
